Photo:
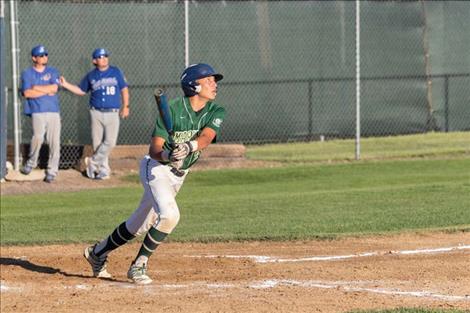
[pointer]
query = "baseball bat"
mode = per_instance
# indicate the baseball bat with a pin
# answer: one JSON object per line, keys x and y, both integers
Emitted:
{"x": 164, "y": 110}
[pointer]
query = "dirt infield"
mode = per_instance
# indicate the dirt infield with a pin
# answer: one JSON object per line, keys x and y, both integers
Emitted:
{"x": 72, "y": 180}
{"x": 313, "y": 276}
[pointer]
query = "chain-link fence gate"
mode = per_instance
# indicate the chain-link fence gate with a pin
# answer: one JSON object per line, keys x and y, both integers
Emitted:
{"x": 289, "y": 66}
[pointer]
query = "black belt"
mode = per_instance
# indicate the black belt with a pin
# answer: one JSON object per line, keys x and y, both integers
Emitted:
{"x": 177, "y": 172}
{"x": 104, "y": 109}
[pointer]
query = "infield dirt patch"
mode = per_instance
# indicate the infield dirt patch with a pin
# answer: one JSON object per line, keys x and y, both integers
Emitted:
{"x": 307, "y": 276}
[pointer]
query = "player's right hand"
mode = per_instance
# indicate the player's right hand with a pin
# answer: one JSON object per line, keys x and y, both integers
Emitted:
{"x": 180, "y": 152}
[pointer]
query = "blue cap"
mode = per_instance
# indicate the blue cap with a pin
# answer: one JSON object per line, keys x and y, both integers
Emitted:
{"x": 100, "y": 52}
{"x": 39, "y": 50}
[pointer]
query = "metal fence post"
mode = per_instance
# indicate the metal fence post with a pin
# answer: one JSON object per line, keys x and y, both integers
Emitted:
{"x": 446, "y": 102}
{"x": 14, "y": 55}
{"x": 3, "y": 108}
{"x": 186, "y": 33}
{"x": 358, "y": 80}
{"x": 310, "y": 110}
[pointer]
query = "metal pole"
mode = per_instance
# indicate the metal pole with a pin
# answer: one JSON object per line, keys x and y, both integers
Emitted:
{"x": 3, "y": 104}
{"x": 310, "y": 111}
{"x": 186, "y": 33}
{"x": 358, "y": 81}
{"x": 446, "y": 103}
{"x": 14, "y": 54}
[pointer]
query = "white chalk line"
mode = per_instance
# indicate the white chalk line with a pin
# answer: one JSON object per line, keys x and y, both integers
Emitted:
{"x": 5, "y": 288}
{"x": 270, "y": 259}
{"x": 272, "y": 283}
{"x": 349, "y": 287}
{"x": 345, "y": 286}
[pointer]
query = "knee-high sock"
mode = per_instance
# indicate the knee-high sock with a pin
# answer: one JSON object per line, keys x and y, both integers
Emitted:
{"x": 151, "y": 242}
{"x": 118, "y": 237}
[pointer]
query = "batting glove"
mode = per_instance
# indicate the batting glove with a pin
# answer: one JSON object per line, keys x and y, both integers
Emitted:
{"x": 176, "y": 164}
{"x": 182, "y": 150}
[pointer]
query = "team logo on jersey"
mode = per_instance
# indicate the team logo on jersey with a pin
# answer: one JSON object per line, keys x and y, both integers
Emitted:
{"x": 109, "y": 81}
{"x": 217, "y": 122}
{"x": 46, "y": 77}
{"x": 183, "y": 136}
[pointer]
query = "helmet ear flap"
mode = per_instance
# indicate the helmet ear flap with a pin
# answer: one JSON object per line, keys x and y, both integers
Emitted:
{"x": 191, "y": 88}
{"x": 194, "y": 72}
{"x": 195, "y": 87}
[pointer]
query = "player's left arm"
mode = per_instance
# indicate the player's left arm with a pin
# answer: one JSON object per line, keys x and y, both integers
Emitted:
{"x": 125, "y": 102}
{"x": 206, "y": 137}
{"x": 124, "y": 88}
{"x": 210, "y": 131}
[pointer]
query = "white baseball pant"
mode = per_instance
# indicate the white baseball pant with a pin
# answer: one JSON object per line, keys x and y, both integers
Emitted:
{"x": 158, "y": 205}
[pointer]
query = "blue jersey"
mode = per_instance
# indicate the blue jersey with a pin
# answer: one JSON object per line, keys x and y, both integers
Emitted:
{"x": 105, "y": 87}
{"x": 29, "y": 78}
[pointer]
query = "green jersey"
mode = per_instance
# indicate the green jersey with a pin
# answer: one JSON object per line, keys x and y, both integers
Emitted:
{"x": 187, "y": 124}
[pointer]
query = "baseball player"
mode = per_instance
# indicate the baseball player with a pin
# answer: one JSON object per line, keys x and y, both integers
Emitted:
{"x": 39, "y": 85}
{"x": 109, "y": 99}
{"x": 196, "y": 122}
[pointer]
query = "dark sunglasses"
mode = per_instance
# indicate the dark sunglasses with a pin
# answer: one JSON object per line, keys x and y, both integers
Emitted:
{"x": 42, "y": 55}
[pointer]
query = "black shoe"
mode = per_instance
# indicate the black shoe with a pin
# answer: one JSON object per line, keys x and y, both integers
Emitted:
{"x": 98, "y": 265}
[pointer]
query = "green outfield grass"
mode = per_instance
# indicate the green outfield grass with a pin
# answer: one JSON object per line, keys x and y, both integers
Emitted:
{"x": 429, "y": 145}
{"x": 292, "y": 202}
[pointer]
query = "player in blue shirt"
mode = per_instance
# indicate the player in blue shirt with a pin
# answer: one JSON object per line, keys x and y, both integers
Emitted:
{"x": 39, "y": 85}
{"x": 109, "y": 99}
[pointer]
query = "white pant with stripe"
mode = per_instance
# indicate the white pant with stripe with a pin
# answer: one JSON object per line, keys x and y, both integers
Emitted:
{"x": 158, "y": 205}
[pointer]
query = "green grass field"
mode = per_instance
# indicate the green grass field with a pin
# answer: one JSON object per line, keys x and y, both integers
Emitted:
{"x": 300, "y": 200}
{"x": 429, "y": 145}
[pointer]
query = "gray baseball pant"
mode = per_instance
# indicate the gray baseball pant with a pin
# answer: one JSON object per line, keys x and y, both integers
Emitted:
{"x": 46, "y": 124}
{"x": 104, "y": 135}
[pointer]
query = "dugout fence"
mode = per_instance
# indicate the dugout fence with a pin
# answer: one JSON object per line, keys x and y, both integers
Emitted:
{"x": 289, "y": 66}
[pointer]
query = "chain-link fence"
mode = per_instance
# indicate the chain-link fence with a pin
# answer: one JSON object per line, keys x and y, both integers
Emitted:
{"x": 289, "y": 66}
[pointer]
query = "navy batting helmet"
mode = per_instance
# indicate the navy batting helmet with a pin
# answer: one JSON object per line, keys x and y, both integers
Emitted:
{"x": 39, "y": 50}
{"x": 193, "y": 73}
{"x": 100, "y": 52}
